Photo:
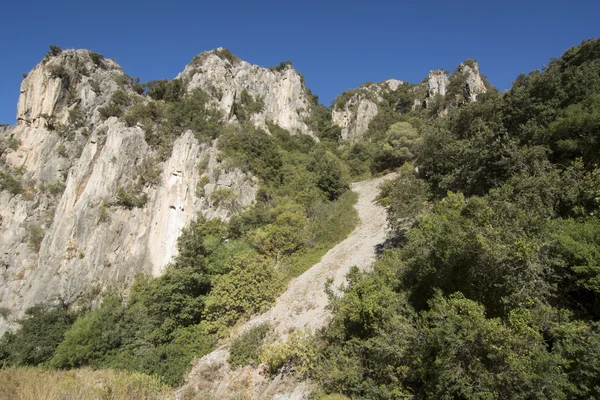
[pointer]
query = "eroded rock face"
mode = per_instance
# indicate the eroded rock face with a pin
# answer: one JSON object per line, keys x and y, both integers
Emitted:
{"x": 66, "y": 231}
{"x": 354, "y": 114}
{"x": 474, "y": 84}
{"x": 286, "y": 101}
{"x": 355, "y": 109}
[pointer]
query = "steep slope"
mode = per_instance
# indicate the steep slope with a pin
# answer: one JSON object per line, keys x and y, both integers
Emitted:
{"x": 86, "y": 202}
{"x": 303, "y": 305}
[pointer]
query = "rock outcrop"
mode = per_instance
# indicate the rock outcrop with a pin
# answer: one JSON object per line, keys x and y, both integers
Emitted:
{"x": 279, "y": 92}
{"x": 355, "y": 109}
{"x": 474, "y": 84}
{"x": 93, "y": 204}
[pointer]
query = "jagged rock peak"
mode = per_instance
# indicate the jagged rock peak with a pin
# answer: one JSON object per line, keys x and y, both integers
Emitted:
{"x": 63, "y": 80}
{"x": 354, "y": 109}
{"x": 276, "y": 94}
{"x": 474, "y": 84}
{"x": 437, "y": 82}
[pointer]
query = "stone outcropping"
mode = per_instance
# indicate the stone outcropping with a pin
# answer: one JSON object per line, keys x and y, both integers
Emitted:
{"x": 285, "y": 100}
{"x": 66, "y": 232}
{"x": 474, "y": 84}
{"x": 358, "y": 107}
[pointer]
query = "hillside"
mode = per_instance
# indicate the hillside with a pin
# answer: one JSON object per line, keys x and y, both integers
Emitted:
{"x": 211, "y": 223}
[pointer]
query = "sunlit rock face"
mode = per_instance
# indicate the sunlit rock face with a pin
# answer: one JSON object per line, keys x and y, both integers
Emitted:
{"x": 64, "y": 234}
{"x": 286, "y": 101}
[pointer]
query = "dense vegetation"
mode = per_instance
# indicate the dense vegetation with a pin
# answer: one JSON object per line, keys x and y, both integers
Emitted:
{"x": 490, "y": 286}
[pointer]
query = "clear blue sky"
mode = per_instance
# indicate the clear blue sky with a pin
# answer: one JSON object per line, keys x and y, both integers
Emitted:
{"x": 337, "y": 45}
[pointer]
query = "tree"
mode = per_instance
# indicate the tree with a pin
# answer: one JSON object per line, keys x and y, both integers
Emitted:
{"x": 251, "y": 285}
{"x": 400, "y": 144}
{"x": 39, "y": 334}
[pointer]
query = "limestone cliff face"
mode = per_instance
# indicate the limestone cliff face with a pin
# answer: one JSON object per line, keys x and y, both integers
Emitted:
{"x": 474, "y": 84}
{"x": 65, "y": 232}
{"x": 285, "y": 100}
{"x": 355, "y": 110}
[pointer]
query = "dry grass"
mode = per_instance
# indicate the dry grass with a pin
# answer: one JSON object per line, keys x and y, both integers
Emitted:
{"x": 81, "y": 384}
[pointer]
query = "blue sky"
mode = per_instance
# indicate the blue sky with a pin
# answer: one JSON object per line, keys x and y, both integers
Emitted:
{"x": 337, "y": 45}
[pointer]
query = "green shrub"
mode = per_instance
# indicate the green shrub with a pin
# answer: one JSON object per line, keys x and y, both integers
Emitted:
{"x": 297, "y": 355}
{"x": 76, "y": 118}
{"x": 55, "y": 50}
{"x": 168, "y": 91}
{"x": 251, "y": 286}
{"x": 35, "y": 236}
{"x": 282, "y": 66}
{"x": 97, "y": 58}
{"x": 14, "y": 143}
{"x": 54, "y": 188}
{"x": 247, "y": 106}
{"x": 40, "y": 332}
{"x": 9, "y": 183}
{"x": 225, "y": 54}
{"x": 58, "y": 71}
{"x": 110, "y": 110}
{"x": 95, "y": 85}
{"x": 200, "y": 192}
{"x": 223, "y": 196}
{"x": 245, "y": 349}
{"x": 118, "y": 101}
{"x": 131, "y": 199}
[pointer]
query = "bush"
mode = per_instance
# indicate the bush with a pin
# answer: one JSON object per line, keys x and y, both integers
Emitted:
{"x": 95, "y": 87}
{"x": 55, "y": 50}
{"x": 225, "y": 54}
{"x": 58, "y": 71}
{"x": 282, "y": 66}
{"x": 131, "y": 199}
{"x": 168, "y": 91}
{"x": 245, "y": 349}
{"x": 224, "y": 197}
{"x": 9, "y": 183}
{"x": 41, "y": 331}
{"x": 35, "y": 237}
{"x": 97, "y": 58}
{"x": 118, "y": 101}
{"x": 297, "y": 355}
{"x": 251, "y": 286}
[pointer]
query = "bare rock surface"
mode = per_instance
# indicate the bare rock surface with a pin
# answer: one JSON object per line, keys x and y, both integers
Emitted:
{"x": 354, "y": 114}
{"x": 285, "y": 100}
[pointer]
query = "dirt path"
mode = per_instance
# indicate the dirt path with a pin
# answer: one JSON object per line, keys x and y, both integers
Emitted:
{"x": 303, "y": 303}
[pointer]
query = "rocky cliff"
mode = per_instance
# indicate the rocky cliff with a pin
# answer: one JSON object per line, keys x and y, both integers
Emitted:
{"x": 278, "y": 92}
{"x": 356, "y": 108}
{"x": 86, "y": 203}
{"x": 353, "y": 110}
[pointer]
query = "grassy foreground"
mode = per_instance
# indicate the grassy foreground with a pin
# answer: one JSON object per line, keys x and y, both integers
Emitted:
{"x": 80, "y": 384}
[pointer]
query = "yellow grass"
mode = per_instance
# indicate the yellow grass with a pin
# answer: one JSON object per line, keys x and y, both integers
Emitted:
{"x": 80, "y": 384}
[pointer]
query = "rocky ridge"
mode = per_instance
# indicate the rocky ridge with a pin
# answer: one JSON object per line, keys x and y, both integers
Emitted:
{"x": 280, "y": 90}
{"x": 355, "y": 109}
